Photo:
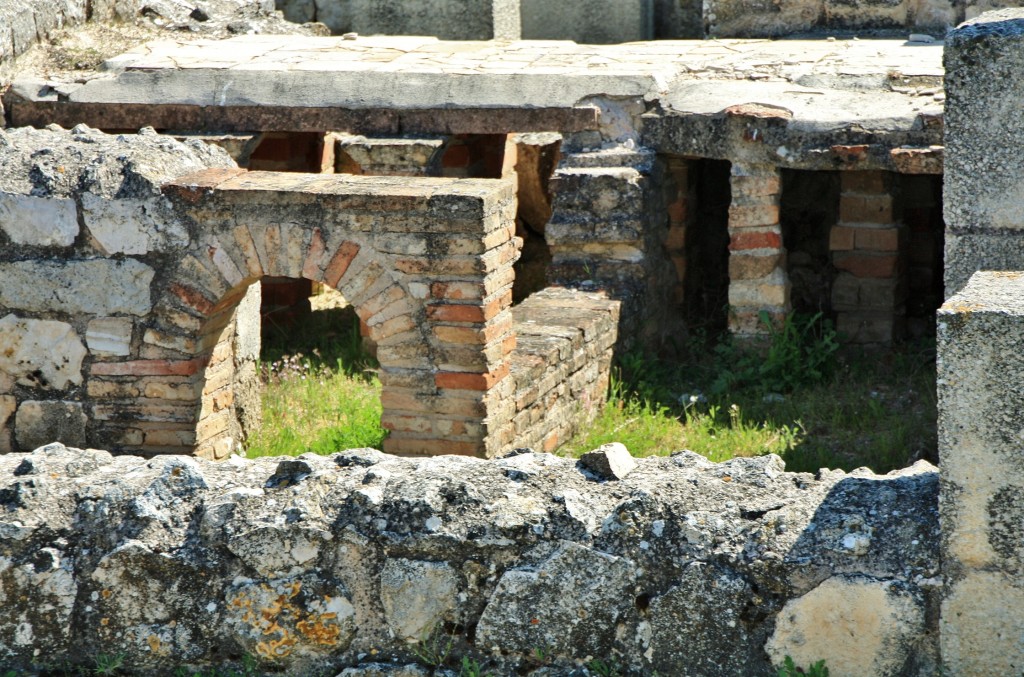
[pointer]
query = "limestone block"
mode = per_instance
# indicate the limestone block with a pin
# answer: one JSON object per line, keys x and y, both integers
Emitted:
{"x": 38, "y": 221}
{"x": 980, "y": 367}
{"x": 132, "y": 225}
{"x": 94, "y": 286}
{"x": 704, "y": 611}
{"x": 571, "y": 601}
{"x": 858, "y": 625}
{"x": 41, "y": 422}
{"x": 43, "y": 354}
{"x": 7, "y": 406}
{"x": 610, "y": 461}
{"x": 980, "y": 621}
{"x": 417, "y": 596}
{"x": 247, "y": 325}
{"x": 445, "y": 19}
{"x": 109, "y": 336}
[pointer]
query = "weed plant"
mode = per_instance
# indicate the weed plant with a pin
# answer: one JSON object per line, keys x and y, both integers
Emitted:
{"x": 790, "y": 669}
{"x": 320, "y": 389}
{"x": 799, "y": 396}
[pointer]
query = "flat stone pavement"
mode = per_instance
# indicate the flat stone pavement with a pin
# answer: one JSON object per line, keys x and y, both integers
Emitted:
{"x": 885, "y": 83}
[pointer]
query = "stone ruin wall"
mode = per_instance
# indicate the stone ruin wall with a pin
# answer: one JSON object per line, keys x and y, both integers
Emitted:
{"x": 158, "y": 279}
{"x": 613, "y": 21}
{"x": 310, "y": 563}
{"x": 530, "y": 564}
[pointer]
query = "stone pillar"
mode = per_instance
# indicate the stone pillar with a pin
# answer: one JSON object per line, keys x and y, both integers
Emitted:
{"x": 605, "y": 233}
{"x": 758, "y": 282}
{"x": 867, "y": 245}
{"x": 981, "y": 503}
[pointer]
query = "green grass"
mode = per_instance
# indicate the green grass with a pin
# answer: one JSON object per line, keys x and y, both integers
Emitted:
{"x": 851, "y": 409}
{"x": 324, "y": 398}
{"x": 799, "y": 396}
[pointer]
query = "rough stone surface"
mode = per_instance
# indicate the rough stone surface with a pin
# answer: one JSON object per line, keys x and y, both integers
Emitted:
{"x": 92, "y": 286}
{"x": 979, "y": 374}
{"x": 320, "y": 563}
{"x": 38, "y": 221}
{"x": 609, "y": 461}
{"x": 446, "y": 19}
{"x": 42, "y": 354}
{"x": 418, "y": 597}
{"x": 588, "y": 21}
{"x": 983, "y": 200}
{"x": 128, "y": 226}
{"x": 866, "y": 626}
{"x": 41, "y": 422}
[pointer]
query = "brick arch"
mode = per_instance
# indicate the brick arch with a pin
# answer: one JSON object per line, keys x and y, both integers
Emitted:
{"x": 210, "y": 282}
{"x": 426, "y": 264}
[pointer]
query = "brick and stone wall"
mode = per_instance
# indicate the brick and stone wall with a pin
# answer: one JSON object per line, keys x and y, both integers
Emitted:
{"x": 607, "y": 231}
{"x": 140, "y": 330}
{"x": 561, "y": 364}
{"x": 758, "y": 279}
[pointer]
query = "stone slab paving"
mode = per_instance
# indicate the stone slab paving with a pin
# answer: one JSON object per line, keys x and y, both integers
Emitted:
{"x": 536, "y": 85}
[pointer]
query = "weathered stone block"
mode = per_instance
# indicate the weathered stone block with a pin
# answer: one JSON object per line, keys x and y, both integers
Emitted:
{"x": 867, "y": 264}
{"x": 418, "y": 597}
{"x": 865, "y": 626}
{"x": 865, "y": 208}
{"x": 445, "y": 19}
{"x": 588, "y": 21}
{"x": 42, "y": 422}
{"x": 983, "y": 201}
{"x": 95, "y": 286}
{"x": 748, "y": 266}
{"x": 43, "y": 354}
{"x": 132, "y": 226}
{"x": 109, "y": 336}
{"x": 38, "y": 221}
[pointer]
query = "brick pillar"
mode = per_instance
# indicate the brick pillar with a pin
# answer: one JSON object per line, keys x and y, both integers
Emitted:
{"x": 758, "y": 281}
{"x": 679, "y": 200}
{"x": 869, "y": 293}
{"x": 605, "y": 232}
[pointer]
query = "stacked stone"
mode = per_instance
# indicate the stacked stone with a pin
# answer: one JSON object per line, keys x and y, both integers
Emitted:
{"x": 758, "y": 282}
{"x": 980, "y": 366}
{"x": 83, "y": 231}
{"x": 401, "y": 156}
{"x": 562, "y": 363}
{"x": 600, "y": 233}
{"x": 869, "y": 293}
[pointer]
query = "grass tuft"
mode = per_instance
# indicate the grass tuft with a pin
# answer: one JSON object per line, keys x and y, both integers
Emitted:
{"x": 799, "y": 397}
{"x": 323, "y": 400}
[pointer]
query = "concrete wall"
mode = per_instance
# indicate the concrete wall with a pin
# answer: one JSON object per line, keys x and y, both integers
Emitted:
{"x": 366, "y": 565}
{"x": 613, "y": 21}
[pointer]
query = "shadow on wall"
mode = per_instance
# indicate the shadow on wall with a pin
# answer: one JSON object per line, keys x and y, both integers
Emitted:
{"x": 868, "y": 583}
